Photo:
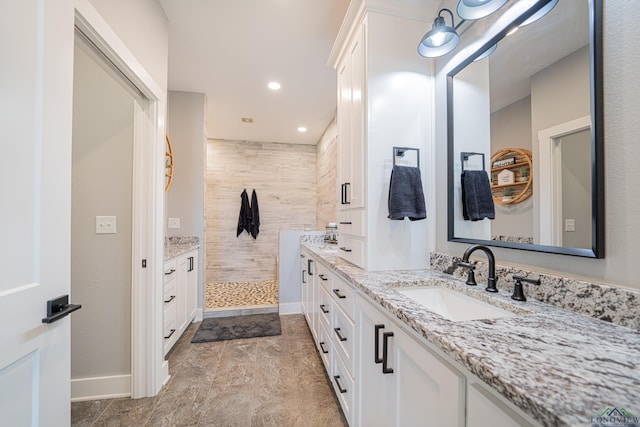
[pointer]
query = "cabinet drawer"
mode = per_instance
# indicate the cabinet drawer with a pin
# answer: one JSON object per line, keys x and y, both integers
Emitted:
{"x": 325, "y": 346}
{"x": 344, "y": 296}
{"x": 324, "y": 308}
{"x": 351, "y": 249}
{"x": 343, "y": 335}
{"x": 352, "y": 223}
{"x": 170, "y": 268}
{"x": 345, "y": 388}
{"x": 325, "y": 277}
{"x": 169, "y": 331}
{"x": 170, "y": 289}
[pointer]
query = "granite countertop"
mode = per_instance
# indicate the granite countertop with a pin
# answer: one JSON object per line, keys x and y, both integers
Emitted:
{"x": 177, "y": 245}
{"x": 560, "y": 367}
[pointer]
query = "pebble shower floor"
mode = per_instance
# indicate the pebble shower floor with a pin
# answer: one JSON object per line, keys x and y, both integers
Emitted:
{"x": 241, "y": 294}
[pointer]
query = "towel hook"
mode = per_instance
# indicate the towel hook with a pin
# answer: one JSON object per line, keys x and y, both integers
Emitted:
{"x": 464, "y": 156}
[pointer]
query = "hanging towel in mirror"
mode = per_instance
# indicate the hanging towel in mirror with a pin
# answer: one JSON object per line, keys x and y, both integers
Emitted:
{"x": 477, "y": 200}
{"x": 406, "y": 198}
{"x": 244, "y": 219}
{"x": 255, "y": 215}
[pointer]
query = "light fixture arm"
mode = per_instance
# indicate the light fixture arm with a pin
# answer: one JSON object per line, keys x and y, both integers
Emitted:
{"x": 450, "y": 13}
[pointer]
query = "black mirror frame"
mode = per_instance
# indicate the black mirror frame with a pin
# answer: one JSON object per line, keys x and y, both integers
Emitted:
{"x": 597, "y": 141}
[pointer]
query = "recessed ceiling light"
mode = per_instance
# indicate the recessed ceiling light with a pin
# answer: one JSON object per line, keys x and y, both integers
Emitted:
{"x": 302, "y": 129}
{"x": 246, "y": 119}
{"x": 274, "y": 85}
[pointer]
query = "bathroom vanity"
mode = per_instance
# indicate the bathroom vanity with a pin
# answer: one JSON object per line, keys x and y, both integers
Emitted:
{"x": 180, "y": 288}
{"x": 395, "y": 362}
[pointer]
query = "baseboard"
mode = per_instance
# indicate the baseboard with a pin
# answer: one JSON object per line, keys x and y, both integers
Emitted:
{"x": 199, "y": 316}
{"x": 100, "y": 388}
{"x": 291, "y": 308}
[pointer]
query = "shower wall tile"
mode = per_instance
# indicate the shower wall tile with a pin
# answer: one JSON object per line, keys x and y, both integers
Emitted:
{"x": 284, "y": 177}
{"x": 327, "y": 176}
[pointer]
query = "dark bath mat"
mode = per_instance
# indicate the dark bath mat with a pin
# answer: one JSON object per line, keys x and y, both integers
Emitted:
{"x": 235, "y": 327}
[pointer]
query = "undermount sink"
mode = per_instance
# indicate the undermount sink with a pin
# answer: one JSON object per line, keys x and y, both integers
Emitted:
{"x": 454, "y": 305}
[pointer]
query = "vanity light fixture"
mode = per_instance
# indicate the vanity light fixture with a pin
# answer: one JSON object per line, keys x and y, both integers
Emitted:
{"x": 487, "y": 52}
{"x": 540, "y": 13}
{"x": 441, "y": 39}
{"x": 476, "y": 9}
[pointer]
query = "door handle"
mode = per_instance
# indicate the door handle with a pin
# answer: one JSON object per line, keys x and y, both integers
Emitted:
{"x": 376, "y": 345}
{"x": 385, "y": 353}
{"x": 58, "y": 308}
{"x": 339, "y": 334}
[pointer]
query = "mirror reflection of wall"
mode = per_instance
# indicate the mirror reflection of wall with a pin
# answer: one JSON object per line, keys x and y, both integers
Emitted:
{"x": 538, "y": 78}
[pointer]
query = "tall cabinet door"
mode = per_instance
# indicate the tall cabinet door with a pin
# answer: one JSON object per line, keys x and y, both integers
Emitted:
{"x": 181, "y": 293}
{"x": 350, "y": 125}
{"x": 375, "y": 396}
{"x": 192, "y": 285}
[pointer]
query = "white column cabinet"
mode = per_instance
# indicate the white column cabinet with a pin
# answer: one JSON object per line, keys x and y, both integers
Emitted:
{"x": 180, "y": 296}
{"x": 384, "y": 99}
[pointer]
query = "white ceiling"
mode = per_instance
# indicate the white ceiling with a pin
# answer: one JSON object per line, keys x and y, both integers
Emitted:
{"x": 230, "y": 49}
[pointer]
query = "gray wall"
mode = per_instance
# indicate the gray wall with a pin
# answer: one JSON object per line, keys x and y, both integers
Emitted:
{"x": 511, "y": 127}
{"x": 101, "y": 185}
{"x": 144, "y": 29}
{"x": 622, "y": 151}
{"x": 185, "y": 198}
{"x": 557, "y": 99}
{"x": 576, "y": 188}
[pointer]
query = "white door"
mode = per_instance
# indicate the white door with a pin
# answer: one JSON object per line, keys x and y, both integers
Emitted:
{"x": 36, "y": 47}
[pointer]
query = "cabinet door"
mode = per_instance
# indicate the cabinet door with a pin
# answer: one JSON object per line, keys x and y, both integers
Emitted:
{"x": 350, "y": 126}
{"x": 192, "y": 285}
{"x": 428, "y": 391}
{"x": 356, "y": 189}
{"x": 484, "y": 409}
{"x": 375, "y": 389}
{"x": 344, "y": 130}
{"x": 181, "y": 294}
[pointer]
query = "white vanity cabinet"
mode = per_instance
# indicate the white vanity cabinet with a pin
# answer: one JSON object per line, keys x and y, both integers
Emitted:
{"x": 401, "y": 382}
{"x": 329, "y": 310}
{"x": 381, "y": 90}
{"x": 485, "y": 408}
{"x": 180, "y": 296}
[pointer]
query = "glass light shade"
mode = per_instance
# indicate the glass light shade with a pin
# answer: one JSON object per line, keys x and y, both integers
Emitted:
{"x": 476, "y": 9}
{"x": 440, "y": 40}
{"x": 540, "y": 13}
{"x": 486, "y": 53}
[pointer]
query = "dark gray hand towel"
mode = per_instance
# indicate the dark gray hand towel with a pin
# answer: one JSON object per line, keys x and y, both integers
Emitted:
{"x": 244, "y": 219}
{"x": 477, "y": 200}
{"x": 255, "y": 215}
{"x": 406, "y": 198}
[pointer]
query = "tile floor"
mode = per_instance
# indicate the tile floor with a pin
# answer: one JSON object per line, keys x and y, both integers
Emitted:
{"x": 270, "y": 381}
{"x": 241, "y": 294}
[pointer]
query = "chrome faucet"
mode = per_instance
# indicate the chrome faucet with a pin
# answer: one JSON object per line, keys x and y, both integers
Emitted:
{"x": 492, "y": 281}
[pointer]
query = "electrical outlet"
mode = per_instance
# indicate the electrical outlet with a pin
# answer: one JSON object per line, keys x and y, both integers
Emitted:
{"x": 174, "y": 222}
{"x": 105, "y": 225}
{"x": 569, "y": 224}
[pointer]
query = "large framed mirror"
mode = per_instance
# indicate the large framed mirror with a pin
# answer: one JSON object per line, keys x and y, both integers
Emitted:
{"x": 539, "y": 92}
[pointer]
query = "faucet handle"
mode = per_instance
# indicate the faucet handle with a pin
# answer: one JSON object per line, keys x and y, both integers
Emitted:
{"x": 471, "y": 276}
{"x": 518, "y": 289}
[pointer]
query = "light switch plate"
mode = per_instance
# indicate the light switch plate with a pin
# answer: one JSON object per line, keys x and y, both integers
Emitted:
{"x": 569, "y": 224}
{"x": 174, "y": 222}
{"x": 105, "y": 225}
